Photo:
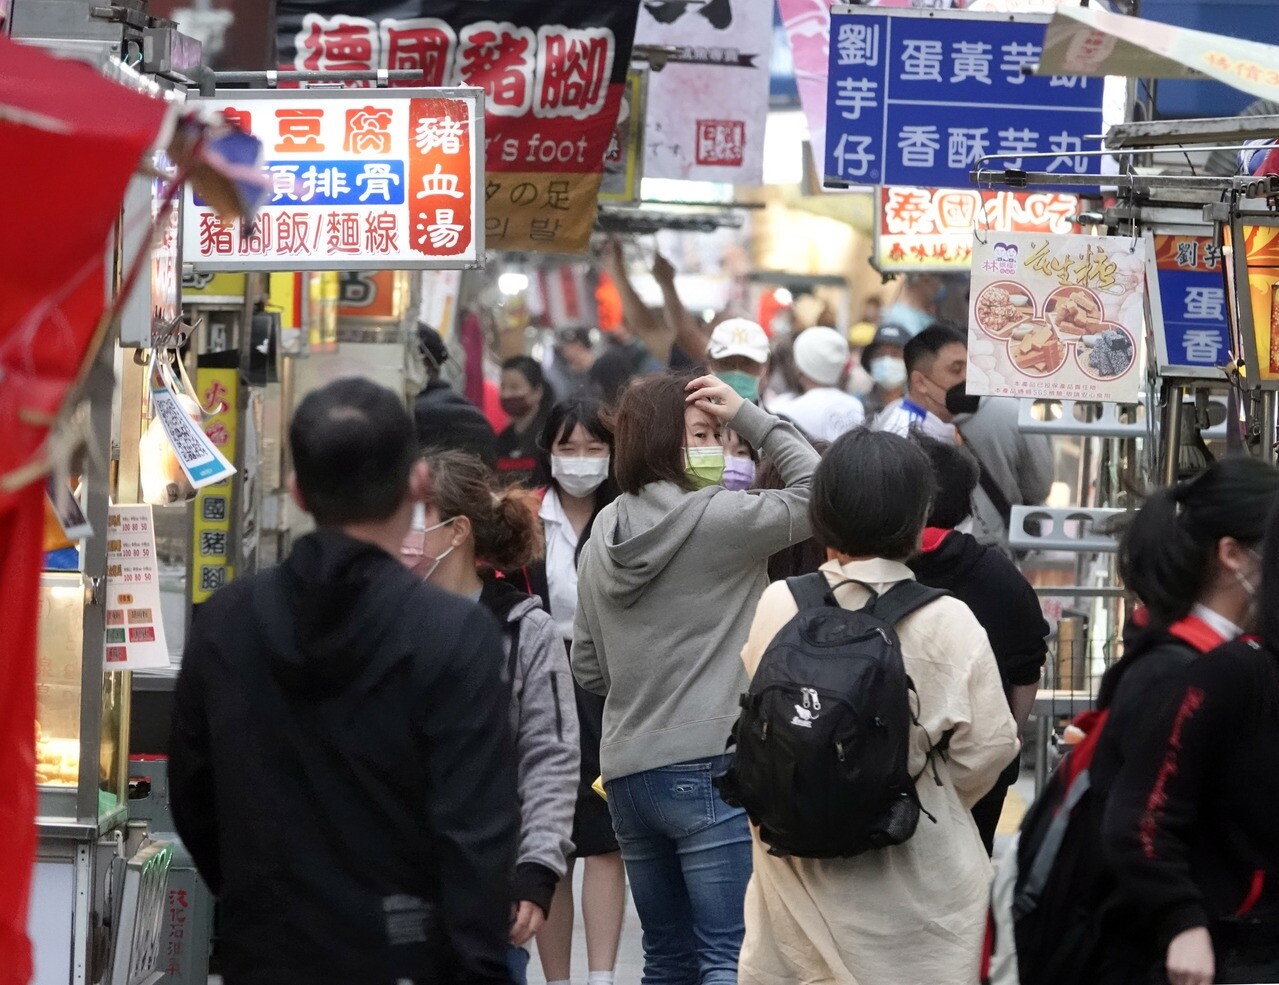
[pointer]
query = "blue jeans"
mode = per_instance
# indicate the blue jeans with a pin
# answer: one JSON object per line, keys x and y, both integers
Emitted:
{"x": 688, "y": 858}
{"x": 517, "y": 964}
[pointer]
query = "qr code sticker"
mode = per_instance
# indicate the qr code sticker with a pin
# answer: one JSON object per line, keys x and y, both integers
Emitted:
{"x": 181, "y": 431}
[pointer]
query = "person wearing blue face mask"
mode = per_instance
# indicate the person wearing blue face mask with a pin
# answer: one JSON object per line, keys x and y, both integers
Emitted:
{"x": 737, "y": 354}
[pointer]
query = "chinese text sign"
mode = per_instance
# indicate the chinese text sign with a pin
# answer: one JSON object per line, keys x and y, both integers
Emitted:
{"x": 1188, "y": 302}
{"x": 552, "y": 71}
{"x": 212, "y": 565}
{"x": 932, "y": 228}
{"x": 708, "y": 105}
{"x": 134, "y": 637}
{"x": 359, "y": 179}
{"x": 915, "y": 99}
{"x": 1057, "y": 317}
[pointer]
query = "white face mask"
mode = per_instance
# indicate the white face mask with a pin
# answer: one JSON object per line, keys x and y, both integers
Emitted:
{"x": 579, "y": 476}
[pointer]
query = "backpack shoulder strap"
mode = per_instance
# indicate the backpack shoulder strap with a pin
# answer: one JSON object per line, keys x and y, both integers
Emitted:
{"x": 512, "y": 630}
{"x": 811, "y": 591}
{"x": 904, "y": 598}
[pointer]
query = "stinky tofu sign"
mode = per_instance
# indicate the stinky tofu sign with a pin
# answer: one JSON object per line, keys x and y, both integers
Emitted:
{"x": 553, "y": 74}
{"x": 931, "y": 229}
{"x": 919, "y": 97}
{"x": 359, "y": 179}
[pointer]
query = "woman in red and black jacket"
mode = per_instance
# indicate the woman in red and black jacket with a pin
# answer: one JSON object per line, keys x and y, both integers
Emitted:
{"x": 1191, "y": 556}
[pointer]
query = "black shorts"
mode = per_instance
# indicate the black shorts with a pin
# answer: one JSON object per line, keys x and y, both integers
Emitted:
{"x": 592, "y": 825}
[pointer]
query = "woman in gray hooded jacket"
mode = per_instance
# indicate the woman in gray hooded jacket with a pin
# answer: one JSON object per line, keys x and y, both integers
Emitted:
{"x": 667, "y": 587}
{"x": 464, "y": 532}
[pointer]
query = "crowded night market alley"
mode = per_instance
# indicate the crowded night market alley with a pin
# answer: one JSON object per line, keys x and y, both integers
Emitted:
{"x": 657, "y": 492}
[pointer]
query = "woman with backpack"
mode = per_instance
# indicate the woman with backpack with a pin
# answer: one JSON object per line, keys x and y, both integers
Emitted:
{"x": 466, "y": 531}
{"x": 576, "y": 449}
{"x": 911, "y": 912}
{"x": 1186, "y": 760}
{"x": 667, "y": 585}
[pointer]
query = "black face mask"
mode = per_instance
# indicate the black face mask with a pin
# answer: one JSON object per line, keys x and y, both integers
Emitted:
{"x": 959, "y": 402}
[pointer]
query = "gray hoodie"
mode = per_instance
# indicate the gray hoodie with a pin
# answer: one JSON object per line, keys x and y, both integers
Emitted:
{"x": 667, "y": 589}
{"x": 544, "y": 722}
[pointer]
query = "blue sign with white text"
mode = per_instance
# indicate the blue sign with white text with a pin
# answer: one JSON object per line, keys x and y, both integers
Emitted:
{"x": 1192, "y": 301}
{"x": 918, "y": 99}
{"x": 377, "y": 182}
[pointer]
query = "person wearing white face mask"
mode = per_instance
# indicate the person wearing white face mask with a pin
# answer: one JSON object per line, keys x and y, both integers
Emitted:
{"x": 464, "y": 533}
{"x": 576, "y": 448}
{"x": 884, "y": 359}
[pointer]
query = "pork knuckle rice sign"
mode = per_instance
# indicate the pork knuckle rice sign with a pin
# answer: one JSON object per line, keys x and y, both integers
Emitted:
{"x": 553, "y": 74}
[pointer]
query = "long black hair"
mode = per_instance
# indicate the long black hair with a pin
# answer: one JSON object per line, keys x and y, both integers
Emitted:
{"x": 561, "y": 422}
{"x": 1168, "y": 548}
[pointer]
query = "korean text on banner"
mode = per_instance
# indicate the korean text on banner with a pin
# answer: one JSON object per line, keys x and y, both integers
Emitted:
{"x": 552, "y": 72}
{"x": 708, "y": 105}
{"x": 359, "y": 180}
{"x": 134, "y": 627}
{"x": 932, "y": 228}
{"x": 1057, "y": 317}
{"x": 199, "y": 457}
{"x": 915, "y": 99}
{"x": 213, "y": 566}
{"x": 1187, "y": 286}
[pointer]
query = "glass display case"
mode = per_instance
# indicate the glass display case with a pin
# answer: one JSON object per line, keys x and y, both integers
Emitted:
{"x": 81, "y": 711}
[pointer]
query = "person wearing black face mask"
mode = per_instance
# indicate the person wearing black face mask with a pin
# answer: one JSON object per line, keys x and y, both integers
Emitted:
{"x": 526, "y": 399}
{"x": 1016, "y": 468}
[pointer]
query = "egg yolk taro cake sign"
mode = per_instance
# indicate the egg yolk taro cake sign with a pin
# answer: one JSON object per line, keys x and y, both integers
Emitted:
{"x": 1056, "y": 316}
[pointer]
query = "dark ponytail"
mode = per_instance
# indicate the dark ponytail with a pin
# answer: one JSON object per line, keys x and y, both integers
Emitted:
{"x": 1168, "y": 549}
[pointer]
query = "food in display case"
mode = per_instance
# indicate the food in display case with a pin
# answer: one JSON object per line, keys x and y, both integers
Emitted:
{"x": 59, "y": 655}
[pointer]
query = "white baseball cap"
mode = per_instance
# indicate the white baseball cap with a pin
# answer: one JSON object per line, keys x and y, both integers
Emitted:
{"x": 738, "y": 337}
{"x": 821, "y": 354}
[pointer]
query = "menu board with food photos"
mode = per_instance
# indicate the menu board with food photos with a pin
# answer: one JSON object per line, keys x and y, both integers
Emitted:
{"x": 1056, "y": 317}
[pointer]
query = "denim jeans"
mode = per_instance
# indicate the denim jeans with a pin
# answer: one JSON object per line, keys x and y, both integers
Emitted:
{"x": 517, "y": 964}
{"x": 688, "y": 859}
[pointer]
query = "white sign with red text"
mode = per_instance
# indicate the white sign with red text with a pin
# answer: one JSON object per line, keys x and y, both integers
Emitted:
{"x": 358, "y": 179}
{"x": 708, "y": 105}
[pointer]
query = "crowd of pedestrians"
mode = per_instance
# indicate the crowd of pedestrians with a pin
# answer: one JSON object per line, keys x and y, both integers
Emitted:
{"x": 612, "y": 636}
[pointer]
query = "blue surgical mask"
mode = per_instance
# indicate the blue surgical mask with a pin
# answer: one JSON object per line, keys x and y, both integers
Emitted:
{"x": 739, "y": 473}
{"x": 746, "y": 385}
{"x": 888, "y": 371}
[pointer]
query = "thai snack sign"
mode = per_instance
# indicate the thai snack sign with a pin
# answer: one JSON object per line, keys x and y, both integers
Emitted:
{"x": 359, "y": 180}
{"x": 931, "y": 229}
{"x": 552, "y": 72}
{"x": 1057, "y": 317}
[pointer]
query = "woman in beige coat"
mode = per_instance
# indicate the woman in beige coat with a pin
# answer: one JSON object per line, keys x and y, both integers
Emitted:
{"x": 912, "y": 914}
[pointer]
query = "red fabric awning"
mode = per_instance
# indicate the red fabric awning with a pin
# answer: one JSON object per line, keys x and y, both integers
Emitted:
{"x": 69, "y": 142}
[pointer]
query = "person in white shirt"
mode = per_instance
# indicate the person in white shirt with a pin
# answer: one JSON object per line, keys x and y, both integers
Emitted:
{"x": 823, "y": 411}
{"x": 576, "y": 451}
{"x": 936, "y": 362}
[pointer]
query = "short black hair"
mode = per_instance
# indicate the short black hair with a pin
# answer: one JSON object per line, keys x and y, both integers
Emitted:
{"x": 956, "y": 472}
{"x": 579, "y": 334}
{"x": 353, "y": 447}
{"x": 871, "y": 495}
{"x": 920, "y": 351}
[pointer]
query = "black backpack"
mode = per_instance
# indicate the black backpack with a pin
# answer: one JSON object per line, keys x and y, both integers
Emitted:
{"x": 823, "y": 739}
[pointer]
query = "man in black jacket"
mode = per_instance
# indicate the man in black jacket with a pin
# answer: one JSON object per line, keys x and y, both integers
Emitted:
{"x": 341, "y": 760}
{"x": 444, "y": 418}
{"x": 998, "y": 594}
